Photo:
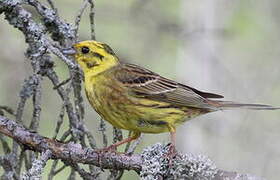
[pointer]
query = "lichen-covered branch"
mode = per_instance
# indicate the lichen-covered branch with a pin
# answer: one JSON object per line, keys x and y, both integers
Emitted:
{"x": 35, "y": 172}
{"x": 151, "y": 164}
{"x": 69, "y": 152}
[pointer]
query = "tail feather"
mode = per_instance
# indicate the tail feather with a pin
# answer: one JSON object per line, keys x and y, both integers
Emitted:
{"x": 224, "y": 105}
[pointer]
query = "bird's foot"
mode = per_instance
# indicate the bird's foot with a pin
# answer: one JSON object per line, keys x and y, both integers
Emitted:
{"x": 111, "y": 148}
{"x": 171, "y": 154}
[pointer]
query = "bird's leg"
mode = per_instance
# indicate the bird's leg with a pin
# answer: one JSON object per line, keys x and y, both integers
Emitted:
{"x": 172, "y": 149}
{"x": 113, "y": 147}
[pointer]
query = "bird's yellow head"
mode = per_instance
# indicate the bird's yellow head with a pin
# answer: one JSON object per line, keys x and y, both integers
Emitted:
{"x": 93, "y": 57}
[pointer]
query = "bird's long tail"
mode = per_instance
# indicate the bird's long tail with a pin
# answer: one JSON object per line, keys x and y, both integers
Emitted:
{"x": 226, "y": 105}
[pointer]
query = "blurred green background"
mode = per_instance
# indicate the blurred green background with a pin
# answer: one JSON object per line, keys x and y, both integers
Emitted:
{"x": 226, "y": 47}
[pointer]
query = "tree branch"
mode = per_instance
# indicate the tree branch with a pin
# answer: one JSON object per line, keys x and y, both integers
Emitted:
{"x": 69, "y": 152}
{"x": 150, "y": 164}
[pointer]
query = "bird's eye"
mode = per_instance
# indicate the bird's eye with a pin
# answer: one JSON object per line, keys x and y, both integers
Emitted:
{"x": 85, "y": 50}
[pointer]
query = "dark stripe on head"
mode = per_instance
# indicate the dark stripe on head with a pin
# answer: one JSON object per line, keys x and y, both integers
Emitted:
{"x": 97, "y": 55}
{"x": 108, "y": 49}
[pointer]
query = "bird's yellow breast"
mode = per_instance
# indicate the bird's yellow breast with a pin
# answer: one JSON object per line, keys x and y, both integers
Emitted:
{"x": 116, "y": 105}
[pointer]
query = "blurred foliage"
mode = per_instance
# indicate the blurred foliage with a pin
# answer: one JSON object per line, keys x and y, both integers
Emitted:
{"x": 155, "y": 34}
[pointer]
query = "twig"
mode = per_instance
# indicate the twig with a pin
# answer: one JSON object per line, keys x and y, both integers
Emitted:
{"x": 72, "y": 175}
{"x": 8, "y": 110}
{"x": 37, "y": 98}
{"x": 60, "y": 169}
{"x": 53, "y": 172}
{"x": 69, "y": 108}
{"x": 62, "y": 111}
{"x": 35, "y": 172}
{"x": 59, "y": 54}
{"x": 7, "y": 162}
{"x": 79, "y": 16}
{"x": 90, "y": 138}
{"x": 26, "y": 92}
{"x": 102, "y": 129}
{"x": 65, "y": 135}
{"x": 60, "y": 30}
{"x": 52, "y": 5}
{"x": 117, "y": 135}
{"x": 23, "y": 159}
{"x": 130, "y": 149}
{"x": 83, "y": 173}
{"x": 59, "y": 121}
{"x": 62, "y": 83}
{"x": 91, "y": 18}
{"x": 5, "y": 145}
{"x": 78, "y": 99}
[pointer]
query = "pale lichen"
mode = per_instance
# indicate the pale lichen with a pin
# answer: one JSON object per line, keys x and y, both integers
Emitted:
{"x": 156, "y": 165}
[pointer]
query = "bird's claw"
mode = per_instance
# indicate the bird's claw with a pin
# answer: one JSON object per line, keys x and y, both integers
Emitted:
{"x": 111, "y": 148}
{"x": 101, "y": 152}
{"x": 171, "y": 154}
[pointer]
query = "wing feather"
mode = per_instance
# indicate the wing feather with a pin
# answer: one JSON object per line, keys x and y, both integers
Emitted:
{"x": 145, "y": 83}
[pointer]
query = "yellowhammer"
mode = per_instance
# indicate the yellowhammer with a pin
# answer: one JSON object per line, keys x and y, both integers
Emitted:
{"x": 134, "y": 98}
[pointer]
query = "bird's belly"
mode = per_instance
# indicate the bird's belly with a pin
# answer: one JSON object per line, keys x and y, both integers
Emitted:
{"x": 136, "y": 114}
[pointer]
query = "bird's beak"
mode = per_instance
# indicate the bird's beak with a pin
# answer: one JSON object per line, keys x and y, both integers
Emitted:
{"x": 69, "y": 51}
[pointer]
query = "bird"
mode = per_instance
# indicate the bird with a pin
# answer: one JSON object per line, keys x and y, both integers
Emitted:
{"x": 134, "y": 98}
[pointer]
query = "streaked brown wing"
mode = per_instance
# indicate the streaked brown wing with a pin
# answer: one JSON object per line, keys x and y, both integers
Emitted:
{"x": 145, "y": 83}
{"x": 203, "y": 94}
